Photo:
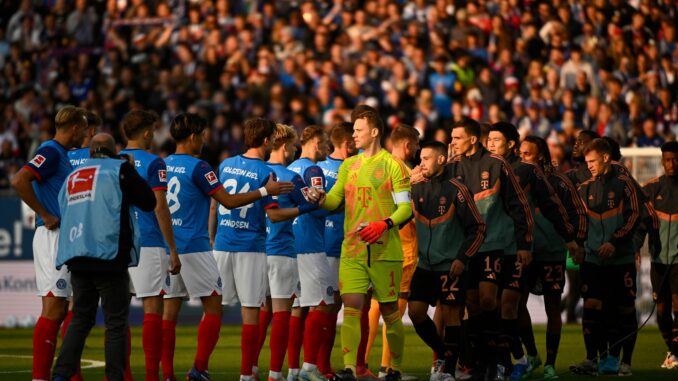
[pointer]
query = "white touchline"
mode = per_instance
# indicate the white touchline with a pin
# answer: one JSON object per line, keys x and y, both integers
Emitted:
{"x": 92, "y": 364}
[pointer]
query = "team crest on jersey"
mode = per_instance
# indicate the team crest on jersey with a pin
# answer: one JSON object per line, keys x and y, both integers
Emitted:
{"x": 211, "y": 178}
{"x": 610, "y": 200}
{"x": 379, "y": 174}
{"x": 162, "y": 176}
{"x": 82, "y": 185}
{"x": 659, "y": 198}
{"x": 38, "y": 160}
{"x": 443, "y": 200}
{"x": 317, "y": 182}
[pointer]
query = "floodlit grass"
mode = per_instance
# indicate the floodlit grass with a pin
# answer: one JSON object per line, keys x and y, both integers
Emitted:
{"x": 15, "y": 354}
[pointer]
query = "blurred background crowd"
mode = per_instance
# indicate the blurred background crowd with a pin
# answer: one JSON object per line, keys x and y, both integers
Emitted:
{"x": 550, "y": 67}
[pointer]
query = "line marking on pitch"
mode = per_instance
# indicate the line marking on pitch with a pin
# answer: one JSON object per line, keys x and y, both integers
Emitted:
{"x": 90, "y": 364}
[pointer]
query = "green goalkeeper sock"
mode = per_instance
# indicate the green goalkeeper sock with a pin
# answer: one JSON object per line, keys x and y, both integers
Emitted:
{"x": 395, "y": 334}
{"x": 350, "y": 336}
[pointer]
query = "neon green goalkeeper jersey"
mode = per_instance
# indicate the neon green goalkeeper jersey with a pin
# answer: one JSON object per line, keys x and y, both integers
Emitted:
{"x": 373, "y": 189}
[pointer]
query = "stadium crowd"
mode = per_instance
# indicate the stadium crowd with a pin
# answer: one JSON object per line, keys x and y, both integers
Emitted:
{"x": 550, "y": 68}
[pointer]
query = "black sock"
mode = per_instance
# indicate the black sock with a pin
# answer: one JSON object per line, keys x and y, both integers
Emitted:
{"x": 629, "y": 327}
{"x": 465, "y": 349}
{"x": 505, "y": 342}
{"x": 527, "y": 336}
{"x": 665, "y": 325}
{"x": 591, "y": 326}
{"x": 552, "y": 343}
{"x": 429, "y": 334}
{"x": 516, "y": 344}
{"x": 452, "y": 340}
{"x": 674, "y": 342}
{"x": 491, "y": 325}
{"x": 475, "y": 345}
{"x": 613, "y": 331}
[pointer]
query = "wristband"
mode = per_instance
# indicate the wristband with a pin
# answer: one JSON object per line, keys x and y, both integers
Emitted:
{"x": 263, "y": 192}
{"x": 389, "y": 222}
{"x": 308, "y": 207}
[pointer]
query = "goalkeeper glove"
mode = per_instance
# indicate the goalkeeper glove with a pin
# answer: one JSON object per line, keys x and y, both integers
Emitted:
{"x": 374, "y": 230}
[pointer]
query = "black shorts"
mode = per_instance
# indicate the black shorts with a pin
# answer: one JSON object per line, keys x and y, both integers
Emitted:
{"x": 514, "y": 275}
{"x": 484, "y": 267}
{"x": 612, "y": 284}
{"x": 547, "y": 277}
{"x": 437, "y": 286}
{"x": 657, "y": 273}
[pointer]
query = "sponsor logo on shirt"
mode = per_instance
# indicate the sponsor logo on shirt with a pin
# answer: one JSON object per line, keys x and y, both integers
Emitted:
{"x": 82, "y": 185}
{"x": 211, "y": 178}
{"x": 162, "y": 176}
{"x": 38, "y": 160}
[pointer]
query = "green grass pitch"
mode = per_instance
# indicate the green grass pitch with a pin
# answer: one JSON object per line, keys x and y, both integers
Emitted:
{"x": 15, "y": 354}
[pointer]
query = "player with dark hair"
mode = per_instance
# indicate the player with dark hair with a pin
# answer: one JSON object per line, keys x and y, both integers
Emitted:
{"x": 38, "y": 184}
{"x": 150, "y": 278}
{"x": 501, "y": 200}
{"x": 662, "y": 193}
{"x": 504, "y": 140}
{"x": 375, "y": 187}
{"x": 191, "y": 184}
{"x": 343, "y": 147}
{"x": 240, "y": 235}
{"x": 608, "y": 270}
{"x": 546, "y": 275}
{"x": 450, "y": 231}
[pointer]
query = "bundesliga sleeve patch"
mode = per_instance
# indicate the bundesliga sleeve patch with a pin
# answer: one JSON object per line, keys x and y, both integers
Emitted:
{"x": 38, "y": 161}
{"x": 162, "y": 176}
{"x": 317, "y": 182}
{"x": 304, "y": 192}
{"x": 211, "y": 178}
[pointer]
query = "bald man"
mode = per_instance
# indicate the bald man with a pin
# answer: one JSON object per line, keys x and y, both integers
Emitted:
{"x": 105, "y": 188}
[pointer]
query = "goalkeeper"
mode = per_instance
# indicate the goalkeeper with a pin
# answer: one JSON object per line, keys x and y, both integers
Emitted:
{"x": 375, "y": 188}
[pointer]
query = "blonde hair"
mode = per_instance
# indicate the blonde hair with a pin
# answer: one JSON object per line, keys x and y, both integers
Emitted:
{"x": 70, "y": 115}
{"x": 283, "y": 134}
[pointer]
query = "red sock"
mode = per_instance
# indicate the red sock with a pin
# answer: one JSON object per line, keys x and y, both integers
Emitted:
{"x": 128, "y": 369}
{"x": 364, "y": 334}
{"x": 278, "y": 343}
{"x": 151, "y": 339}
{"x": 325, "y": 351}
{"x": 248, "y": 345}
{"x": 208, "y": 335}
{"x": 264, "y": 321}
{"x": 168, "y": 340}
{"x": 312, "y": 337}
{"x": 296, "y": 338}
{"x": 44, "y": 345}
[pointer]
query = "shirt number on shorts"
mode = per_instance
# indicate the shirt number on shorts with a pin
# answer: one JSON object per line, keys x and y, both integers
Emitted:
{"x": 549, "y": 273}
{"x": 497, "y": 265}
{"x": 449, "y": 284}
{"x": 230, "y": 186}
{"x": 173, "y": 188}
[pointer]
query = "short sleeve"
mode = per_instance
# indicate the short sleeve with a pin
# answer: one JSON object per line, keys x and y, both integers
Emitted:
{"x": 45, "y": 163}
{"x": 314, "y": 177}
{"x": 157, "y": 175}
{"x": 269, "y": 201}
{"x": 205, "y": 178}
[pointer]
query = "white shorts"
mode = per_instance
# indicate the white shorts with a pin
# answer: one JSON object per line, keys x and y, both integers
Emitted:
{"x": 49, "y": 280}
{"x": 150, "y": 277}
{"x": 199, "y": 277}
{"x": 315, "y": 277}
{"x": 244, "y": 275}
{"x": 334, "y": 272}
{"x": 283, "y": 277}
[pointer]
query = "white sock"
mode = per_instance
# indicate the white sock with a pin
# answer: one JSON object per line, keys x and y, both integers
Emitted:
{"x": 309, "y": 367}
{"x": 274, "y": 375}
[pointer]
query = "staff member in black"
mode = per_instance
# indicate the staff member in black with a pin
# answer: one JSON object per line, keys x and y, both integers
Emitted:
{"x": 98, "y": 241}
